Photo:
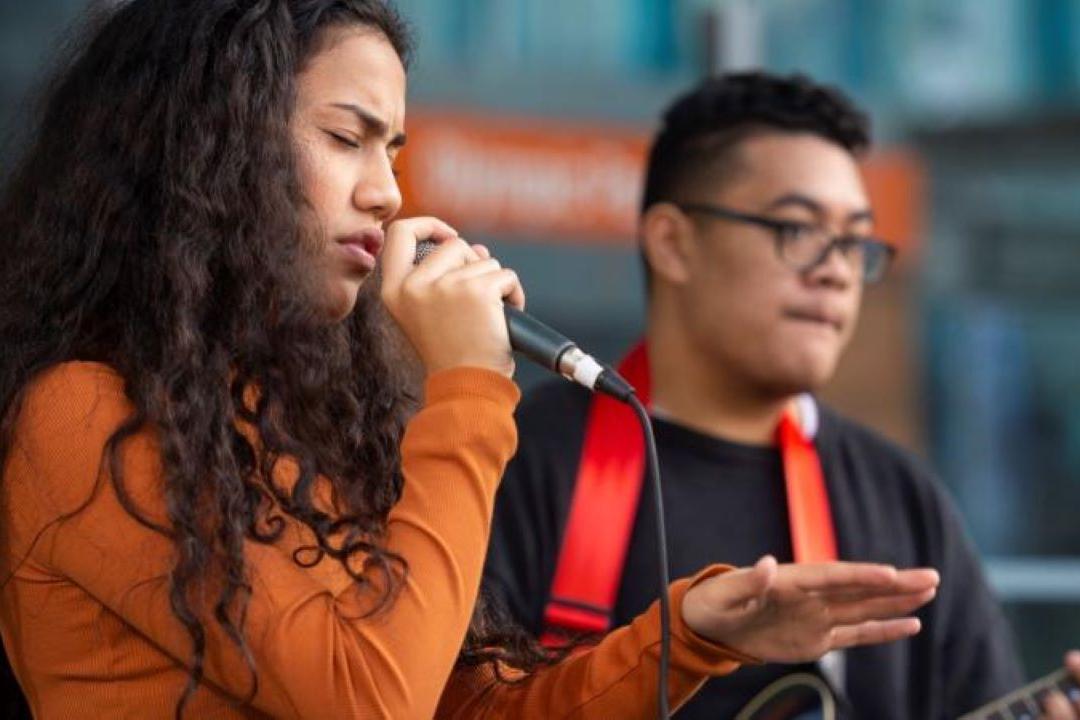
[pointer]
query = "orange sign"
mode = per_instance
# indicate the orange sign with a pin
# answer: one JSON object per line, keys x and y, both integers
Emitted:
{"x": 519, "y": 177}
{"x": 576, "y": 183}
{"x": 896, "y": 184}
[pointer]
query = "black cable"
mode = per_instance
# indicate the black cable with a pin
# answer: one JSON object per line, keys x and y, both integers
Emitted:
{"x": 652, "y": 469}
{"x": 611, "y": 383}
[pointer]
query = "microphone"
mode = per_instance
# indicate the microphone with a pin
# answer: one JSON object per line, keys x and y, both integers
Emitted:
{"x": 551, "y": 349}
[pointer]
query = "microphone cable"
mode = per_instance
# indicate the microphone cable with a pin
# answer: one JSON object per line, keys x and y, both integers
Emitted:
{"x": 652, "y": 469}
{"x": 611, "y": 383}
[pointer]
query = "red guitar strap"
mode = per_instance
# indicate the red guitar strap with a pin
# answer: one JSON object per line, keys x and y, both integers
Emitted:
{"x": 606, "y": 496}
{"x": 813, "y": 535}
{"x": 602, "y": 511}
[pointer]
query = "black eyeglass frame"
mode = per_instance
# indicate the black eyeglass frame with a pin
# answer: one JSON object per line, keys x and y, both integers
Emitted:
{"x": 780, "y": 228}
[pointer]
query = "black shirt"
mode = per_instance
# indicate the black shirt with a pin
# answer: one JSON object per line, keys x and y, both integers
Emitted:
{"x": 725, "y": 502}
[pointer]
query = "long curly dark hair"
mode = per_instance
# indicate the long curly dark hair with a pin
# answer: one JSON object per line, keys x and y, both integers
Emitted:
{"x": 157, "y": 224}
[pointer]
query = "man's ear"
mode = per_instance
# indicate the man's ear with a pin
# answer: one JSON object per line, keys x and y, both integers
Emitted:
{"x": 666, "y": 240}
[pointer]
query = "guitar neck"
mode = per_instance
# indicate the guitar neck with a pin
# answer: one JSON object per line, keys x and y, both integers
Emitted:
{"x": 1026, "y": 703}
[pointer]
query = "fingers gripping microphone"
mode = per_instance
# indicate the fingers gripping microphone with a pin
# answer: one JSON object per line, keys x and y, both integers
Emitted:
{"x": 552, "y": 350}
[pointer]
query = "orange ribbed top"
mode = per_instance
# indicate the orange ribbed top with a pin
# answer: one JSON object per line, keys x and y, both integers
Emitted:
{"x": 87, "y": 624}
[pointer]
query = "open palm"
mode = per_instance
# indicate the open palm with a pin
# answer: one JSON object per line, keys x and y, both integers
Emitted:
{"x": 797, "y": 613}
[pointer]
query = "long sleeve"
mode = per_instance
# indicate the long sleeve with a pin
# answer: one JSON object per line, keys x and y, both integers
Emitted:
{"x": 617, "y": 678}
{"x": 75, "y": 549}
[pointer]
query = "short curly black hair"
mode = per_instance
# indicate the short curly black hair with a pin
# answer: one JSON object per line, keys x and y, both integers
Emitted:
{"x": 701, "y": 127}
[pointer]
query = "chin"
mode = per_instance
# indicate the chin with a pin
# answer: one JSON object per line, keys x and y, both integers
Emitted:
{"x": 807, "y": 374}
{"x": 814, "y": 377}
{"x": 341, "y": 300}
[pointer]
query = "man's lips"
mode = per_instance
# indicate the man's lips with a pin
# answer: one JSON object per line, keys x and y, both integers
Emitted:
{"x": 818, "y": 317}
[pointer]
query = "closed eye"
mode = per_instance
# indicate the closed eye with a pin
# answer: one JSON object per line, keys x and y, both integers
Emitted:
{"x": 344, "y": 140}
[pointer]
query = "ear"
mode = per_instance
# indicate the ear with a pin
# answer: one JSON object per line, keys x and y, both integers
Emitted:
{"x": 667, "y": 241}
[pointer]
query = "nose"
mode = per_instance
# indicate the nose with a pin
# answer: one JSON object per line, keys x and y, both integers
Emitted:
{"x": 376, "y": 191}
{"x": 834, "y": 270}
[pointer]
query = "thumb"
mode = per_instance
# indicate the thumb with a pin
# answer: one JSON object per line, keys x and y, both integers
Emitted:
{"x": 745, "y": 585}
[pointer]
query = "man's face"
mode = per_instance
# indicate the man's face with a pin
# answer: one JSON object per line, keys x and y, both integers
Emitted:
{"x": 760, "y": 320}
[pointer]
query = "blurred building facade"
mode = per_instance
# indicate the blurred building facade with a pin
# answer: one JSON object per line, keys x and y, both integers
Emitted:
{"x": 965, "y": 355}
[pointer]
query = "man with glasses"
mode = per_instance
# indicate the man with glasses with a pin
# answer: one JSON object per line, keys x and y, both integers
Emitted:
{"x": 757, "y": 239}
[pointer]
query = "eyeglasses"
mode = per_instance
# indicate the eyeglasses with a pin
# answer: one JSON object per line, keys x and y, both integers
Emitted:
{"x": 804, "y": 246}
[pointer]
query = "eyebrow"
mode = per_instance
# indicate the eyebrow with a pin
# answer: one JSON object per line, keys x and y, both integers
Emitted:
{"x": 372, "y": 123}
{"x": 800, "y": 200}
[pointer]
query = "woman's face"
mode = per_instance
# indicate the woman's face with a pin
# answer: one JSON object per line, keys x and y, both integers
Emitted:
{"x": 348, "y": 125}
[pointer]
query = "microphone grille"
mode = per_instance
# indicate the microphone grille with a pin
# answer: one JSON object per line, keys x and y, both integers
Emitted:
{"x": 423, "y": 249}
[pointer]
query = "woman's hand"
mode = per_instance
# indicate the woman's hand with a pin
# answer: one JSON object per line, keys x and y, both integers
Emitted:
{"x": 450, "y": 306}
{"x": 797, "y": 613}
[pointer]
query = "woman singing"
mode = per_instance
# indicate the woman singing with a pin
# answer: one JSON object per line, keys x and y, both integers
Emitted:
{"x": 213, "y": 502}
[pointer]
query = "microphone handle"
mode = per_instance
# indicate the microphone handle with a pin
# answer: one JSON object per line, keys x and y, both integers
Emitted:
{"x": 534, "y": 339}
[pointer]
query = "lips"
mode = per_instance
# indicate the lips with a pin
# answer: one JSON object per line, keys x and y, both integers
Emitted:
{"x": 816, "y": 316}
{"x": 363, "y": 247}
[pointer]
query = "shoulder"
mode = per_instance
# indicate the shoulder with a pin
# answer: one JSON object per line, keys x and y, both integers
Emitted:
{"x": 72, "y": 396}
{"x": 853, "y": 440}
{"x": 65, "y": 419}
{"x": 77, "y": 376}
{"x": 872, "y": 465}
{"x": 880, "y": 490}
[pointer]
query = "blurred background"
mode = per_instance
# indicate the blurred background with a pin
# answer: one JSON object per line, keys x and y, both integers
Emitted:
{"x": 528, "y": 125}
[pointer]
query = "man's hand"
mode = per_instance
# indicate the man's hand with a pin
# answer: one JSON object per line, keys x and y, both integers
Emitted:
{"x": 797, "y": 613}
{"x": 1056, "y": 705}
